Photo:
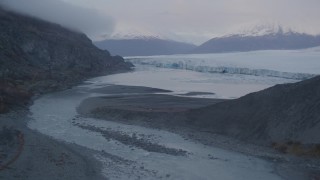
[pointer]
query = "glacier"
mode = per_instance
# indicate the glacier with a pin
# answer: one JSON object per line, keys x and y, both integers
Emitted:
{"x": 289, "y": 64}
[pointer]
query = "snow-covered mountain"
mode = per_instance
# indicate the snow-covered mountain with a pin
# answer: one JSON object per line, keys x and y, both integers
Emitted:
{"x": 259, "y": 38}
{"x": 142, "y": 44}
{"x": 263, "y": 29}
{"x": 134, "y": 34}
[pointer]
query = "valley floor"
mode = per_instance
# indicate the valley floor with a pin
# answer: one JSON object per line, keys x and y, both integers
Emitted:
{"x": 168, "y": 113}
{"x": 42, "y": 157}
{"x": 130, "y": 132}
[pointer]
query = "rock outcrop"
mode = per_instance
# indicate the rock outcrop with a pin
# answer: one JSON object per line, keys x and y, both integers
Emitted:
{"x": 283, "y": 113}
{"x": 38, "y": 56}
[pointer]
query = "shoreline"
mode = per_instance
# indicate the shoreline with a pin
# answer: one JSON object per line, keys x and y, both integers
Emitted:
{"x": 285, "y": 166}
{"x": 17, "y": 118}
{"x": 119, "y": 109}
{"x": 43, "y": 157}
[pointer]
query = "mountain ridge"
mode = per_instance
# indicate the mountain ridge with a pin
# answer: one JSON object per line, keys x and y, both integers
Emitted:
{"x": 38, "y": 56}
{"x": 273, "y": 40}
{"x": 144, "y": 46}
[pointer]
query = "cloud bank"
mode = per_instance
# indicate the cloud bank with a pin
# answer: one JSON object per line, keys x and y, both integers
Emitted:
{"x": 198, "y": 20}
{"x": 185, "y": 20}
{"x": 79, "y": 18}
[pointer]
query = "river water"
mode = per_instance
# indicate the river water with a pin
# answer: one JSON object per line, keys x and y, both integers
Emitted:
{"x": 56, "y": 115}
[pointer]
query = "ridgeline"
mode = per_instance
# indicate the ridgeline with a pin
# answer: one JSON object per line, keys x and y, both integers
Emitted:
{"x": 39, "y": 57}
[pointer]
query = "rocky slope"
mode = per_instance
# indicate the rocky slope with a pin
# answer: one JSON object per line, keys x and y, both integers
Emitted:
{"x": 288, "y": 112}
{"x": 38, "y": 56}
{"x": 271, "y": 41}
{"x": 144, "y": 46}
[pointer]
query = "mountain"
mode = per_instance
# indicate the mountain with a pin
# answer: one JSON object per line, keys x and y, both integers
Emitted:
{"x": 287, "y": 112}
{"x": 144, "y": 46}
{"x": 268, "y": 40}
{"x": 38, "y": 56}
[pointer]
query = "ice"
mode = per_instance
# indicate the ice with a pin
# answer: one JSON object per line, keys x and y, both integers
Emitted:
{"x": 227, "y": 86}
{"x": 298, "y": 64}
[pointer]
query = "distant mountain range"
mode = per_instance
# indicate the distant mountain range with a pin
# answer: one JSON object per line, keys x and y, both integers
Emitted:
{"x": 261, "y": 39}
{"x": 144, "y": 46}
{"x": 272, "y": 41}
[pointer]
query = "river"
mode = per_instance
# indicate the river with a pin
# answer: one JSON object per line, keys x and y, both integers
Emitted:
{"x": 56, "y": 115}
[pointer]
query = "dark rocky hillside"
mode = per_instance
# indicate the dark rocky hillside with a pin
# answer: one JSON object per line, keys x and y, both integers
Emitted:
{"x": 288, "y": 112}
{"x": 273, "y": 41}
{"x": 144, "y": 47}
{"x": 38, "y": 56}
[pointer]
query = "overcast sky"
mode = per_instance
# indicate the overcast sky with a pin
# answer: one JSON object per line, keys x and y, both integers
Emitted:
{"x": 186, "y": 20}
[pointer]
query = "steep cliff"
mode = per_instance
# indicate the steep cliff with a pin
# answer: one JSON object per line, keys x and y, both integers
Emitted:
{"x": 38, "y": 56}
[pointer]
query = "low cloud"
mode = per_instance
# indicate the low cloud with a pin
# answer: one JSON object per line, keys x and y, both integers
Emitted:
{"x": 185, "y": 20}
{"x": 78, "y": 18}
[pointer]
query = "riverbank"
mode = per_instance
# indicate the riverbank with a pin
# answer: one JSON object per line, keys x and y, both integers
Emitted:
{"x": 169, "y": 113}
{"x": 42, "y": 157}
{"x": 135, "y": 132}
{"x": 137, "y": 152}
